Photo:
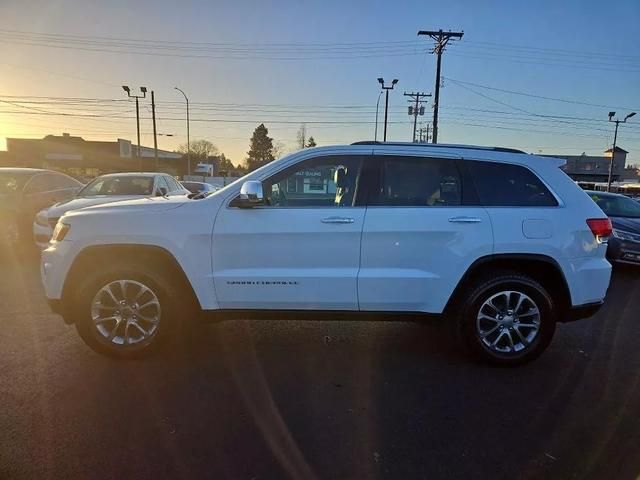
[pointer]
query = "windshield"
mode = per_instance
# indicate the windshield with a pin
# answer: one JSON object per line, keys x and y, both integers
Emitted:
{"x": 614, "y": 206}
{"x": 118, "y": 186}
{"x": 13, "y": 182}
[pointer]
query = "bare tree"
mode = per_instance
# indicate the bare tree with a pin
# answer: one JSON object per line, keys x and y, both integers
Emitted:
{"x": 302, "y": 137}
{"x": 279, "y": 149}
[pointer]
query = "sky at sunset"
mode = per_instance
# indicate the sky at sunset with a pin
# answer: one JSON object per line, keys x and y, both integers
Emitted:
{"x": 538, "y": 75}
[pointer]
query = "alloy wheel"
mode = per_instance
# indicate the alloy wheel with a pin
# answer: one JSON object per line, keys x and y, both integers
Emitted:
{"x": 126, "y": 313}
{"x": 508, "y": 322}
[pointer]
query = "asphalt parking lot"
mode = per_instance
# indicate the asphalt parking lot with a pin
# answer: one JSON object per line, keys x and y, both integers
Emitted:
{"x": 307, "y": 399}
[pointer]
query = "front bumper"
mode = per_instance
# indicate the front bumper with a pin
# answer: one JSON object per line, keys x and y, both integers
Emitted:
{"x": 42, "y": 235}
{"x": 55, "y": 263}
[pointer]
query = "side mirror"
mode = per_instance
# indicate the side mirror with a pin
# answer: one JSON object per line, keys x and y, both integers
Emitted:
{"x": 162, "y": 192}
{"x": 251, "y": 194}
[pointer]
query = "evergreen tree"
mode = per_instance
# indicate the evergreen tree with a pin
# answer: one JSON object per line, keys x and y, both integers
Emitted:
{"x": 311, "y": 143}
{"x": 260, "y": 149}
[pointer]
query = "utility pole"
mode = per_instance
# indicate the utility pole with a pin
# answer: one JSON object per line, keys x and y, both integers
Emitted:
{"x": 442, "y": 39}
{"x": 386, "y": 101}
{"x": 144, "y": 95}
{"x": 155, "y": 135}
{"x": 416, "y": 109}
{"x": 188, "y": 144}
{"x": 615, "y": 138}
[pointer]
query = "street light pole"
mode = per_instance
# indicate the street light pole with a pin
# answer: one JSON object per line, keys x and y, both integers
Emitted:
{"x": 375, "y": 136}
{"x": 144, "y": 95}
{"x": 188, "y": 143}
{"x": 615, "y": 139}
{"x": 155, "y": 133}
{"x": 386, "y": 102}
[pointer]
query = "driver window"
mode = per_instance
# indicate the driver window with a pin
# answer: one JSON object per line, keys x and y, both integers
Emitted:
{"x": 318, "y": 182}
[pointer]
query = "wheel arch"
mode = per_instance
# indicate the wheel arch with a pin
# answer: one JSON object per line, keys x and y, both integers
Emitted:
{"x": 541, "y": 268}
{"x": 93, "y": 257}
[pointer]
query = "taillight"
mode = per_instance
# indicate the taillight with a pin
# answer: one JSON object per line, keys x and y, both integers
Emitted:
{"x": 600, "y": 227}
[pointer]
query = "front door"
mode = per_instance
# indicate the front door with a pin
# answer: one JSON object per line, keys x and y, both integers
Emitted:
{"x": 301, "y": 249}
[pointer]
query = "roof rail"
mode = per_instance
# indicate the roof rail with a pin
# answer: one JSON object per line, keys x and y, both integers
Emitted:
{"x": 442, "y": 145}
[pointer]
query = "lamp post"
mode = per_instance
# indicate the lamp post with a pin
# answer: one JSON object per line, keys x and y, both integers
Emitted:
{"x": 375, "y": 135}
{"x": 188, "y": 144}
{"x": 144, "y": 95}
{"x": 386, "y": 101}
{"x": 615, "y": 138}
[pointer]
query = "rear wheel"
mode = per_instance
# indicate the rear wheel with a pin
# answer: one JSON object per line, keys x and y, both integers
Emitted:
{"x": 508, "y": 319}
{"x": 128, "y": 311}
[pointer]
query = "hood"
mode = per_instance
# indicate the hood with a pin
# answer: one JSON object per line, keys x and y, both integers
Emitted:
{"x": 627, "y": 224}
{"x": 146, "y": 205}
{"x": 61, "y": 208}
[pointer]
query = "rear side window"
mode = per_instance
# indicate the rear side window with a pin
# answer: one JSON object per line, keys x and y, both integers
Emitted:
{"x": 418, "y": 182}
{"x": 507, "y": 185}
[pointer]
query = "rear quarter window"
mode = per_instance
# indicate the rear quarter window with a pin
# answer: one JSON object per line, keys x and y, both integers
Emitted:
{"x": 508, "y": 185}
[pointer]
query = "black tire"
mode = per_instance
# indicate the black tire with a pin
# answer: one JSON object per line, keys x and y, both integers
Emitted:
{"x": 157, "y": 281}
{"x": 471, "y": 324}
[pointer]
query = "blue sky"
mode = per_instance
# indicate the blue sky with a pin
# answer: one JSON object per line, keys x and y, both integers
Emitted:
{"x": 582, "y": 51}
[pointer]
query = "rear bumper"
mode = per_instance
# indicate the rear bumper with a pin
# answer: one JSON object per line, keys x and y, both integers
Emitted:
{"x": 588, "y": 279}
{"x": 581, "y": 311}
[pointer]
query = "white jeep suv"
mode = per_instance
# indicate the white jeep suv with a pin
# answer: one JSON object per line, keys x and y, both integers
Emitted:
{"x": 500, "y": 242}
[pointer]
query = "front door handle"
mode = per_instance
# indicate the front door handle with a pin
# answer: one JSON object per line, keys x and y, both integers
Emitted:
{"x": 465, "y": 220}
{"x": 337, "y": 220}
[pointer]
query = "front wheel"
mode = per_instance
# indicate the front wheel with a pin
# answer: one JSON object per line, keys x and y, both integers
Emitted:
{"x": 508, "y": 319}
{"x": 127, "y": 311}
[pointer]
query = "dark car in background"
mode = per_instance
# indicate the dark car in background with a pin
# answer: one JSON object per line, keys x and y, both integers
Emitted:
{"x": 26, "y": 191}
{"x": 624, "y": 212}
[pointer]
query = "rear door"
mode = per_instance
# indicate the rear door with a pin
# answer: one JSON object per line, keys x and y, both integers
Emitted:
{"x": 421, "y": 233}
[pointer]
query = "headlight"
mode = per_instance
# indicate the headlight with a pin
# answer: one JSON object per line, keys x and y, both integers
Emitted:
{"x": 628, "y": 236}
{"x": 60, "y": 232}
{"x": 42, "y": 219}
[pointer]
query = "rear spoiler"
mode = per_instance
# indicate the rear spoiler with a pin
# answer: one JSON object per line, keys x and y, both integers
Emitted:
{"x": 558, "y": 162}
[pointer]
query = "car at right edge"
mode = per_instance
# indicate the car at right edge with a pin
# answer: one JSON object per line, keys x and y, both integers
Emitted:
{"x": 624, "y": 212}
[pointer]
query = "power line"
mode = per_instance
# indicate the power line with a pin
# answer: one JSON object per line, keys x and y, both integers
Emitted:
{"x": 563, "y": 100}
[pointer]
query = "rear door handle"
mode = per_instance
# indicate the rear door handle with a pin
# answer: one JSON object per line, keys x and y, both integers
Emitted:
{"x": 337, "y": 220}
{"x": 465, "y": 220}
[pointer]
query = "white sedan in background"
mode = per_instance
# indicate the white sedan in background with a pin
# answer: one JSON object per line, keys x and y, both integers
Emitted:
{"x": 106, "y": 189}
